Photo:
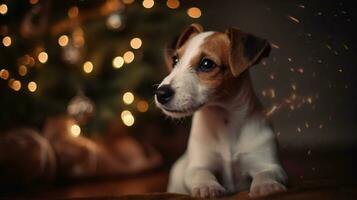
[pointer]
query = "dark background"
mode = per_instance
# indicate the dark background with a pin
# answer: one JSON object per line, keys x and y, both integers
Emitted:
{"x": 309, "y": 79}
{"x": 322, "y": 44}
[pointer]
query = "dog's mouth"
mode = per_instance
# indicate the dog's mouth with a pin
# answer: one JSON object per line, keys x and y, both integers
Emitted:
{"x": 185, "y": 111}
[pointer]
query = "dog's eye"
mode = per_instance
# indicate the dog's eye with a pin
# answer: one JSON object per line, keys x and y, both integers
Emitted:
{"x": 174, "y": 60}
{"x": 206, "y": 65}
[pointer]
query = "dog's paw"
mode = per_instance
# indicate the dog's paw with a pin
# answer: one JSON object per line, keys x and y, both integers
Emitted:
{"x": 266, "y": 188}
{"x": 211, "y": 190}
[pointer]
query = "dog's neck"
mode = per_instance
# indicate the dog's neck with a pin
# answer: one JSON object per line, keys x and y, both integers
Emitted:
{"x": 239, "y": 99}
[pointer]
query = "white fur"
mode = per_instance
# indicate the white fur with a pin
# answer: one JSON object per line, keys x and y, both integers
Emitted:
{"x": 227, "y": 146}
{"x": 185, "y": 82}
{"x": 236, "y": 152}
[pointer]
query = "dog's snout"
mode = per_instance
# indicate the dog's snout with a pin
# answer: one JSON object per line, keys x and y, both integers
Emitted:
{"x": 164, "y": 94}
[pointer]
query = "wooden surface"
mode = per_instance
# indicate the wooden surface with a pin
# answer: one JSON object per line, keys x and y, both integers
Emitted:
{"x": 317, "y": 176}
{"x": 313, "y": 193}
{"x": 125, "y": 189}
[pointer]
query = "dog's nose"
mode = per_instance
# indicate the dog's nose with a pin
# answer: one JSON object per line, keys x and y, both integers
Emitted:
{"x": 164, "y": 94}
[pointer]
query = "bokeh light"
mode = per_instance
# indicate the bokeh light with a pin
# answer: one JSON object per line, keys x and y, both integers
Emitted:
{"x": 15, "y": 84}
{"x": 43, "y": 57}
{"x": 22, "y": 70}
{"x": 33, "y": 2}
{"x": 6, "y": 41}
{"x": 3, "y": 9}
{"x": 142, "y": 106}
{"x": 128, "y": 1}
{"x": 28, "y": 60}
{"x": 128, "y": 57}
{"x": 194, "y": 12}
{"x": 118, "y": 62}
{"x": 75, "y": 130}
{"x": 78, "y": 39}
{"x": 127, "y": 118}
{"x": 88, "y": 67}
{"x": 73, "y": 12}
{"x": 135, "y": 43}
{"x": 63, "y": 40}
{"x": 114, "y": 21}
{"x": 173, "y": 4}
{"x": 32, "y": 86}
{"x": 128, "y": 98}
{"x": 148, "y": 3}
{"x": 4, "y": 74}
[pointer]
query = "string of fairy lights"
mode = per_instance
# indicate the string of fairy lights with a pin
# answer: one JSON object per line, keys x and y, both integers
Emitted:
{"x": 77, "y": 39}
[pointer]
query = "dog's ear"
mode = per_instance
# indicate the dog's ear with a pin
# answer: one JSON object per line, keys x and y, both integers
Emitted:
{"x": 190, "y": 31}
{"x": 245, "y": 50}
{"x": 178, "y": 41}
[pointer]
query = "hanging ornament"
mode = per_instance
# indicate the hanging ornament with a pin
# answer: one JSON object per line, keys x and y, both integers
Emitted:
{"x": 71, "y": 54}
{"x": 35, "y": 21}
{"x": 78, "y": 37}
{"x": 26, "y": 157}
{"x": 81, "y": 108}
{"x": 115, "y": 21}
{"x": 73, "y": 51}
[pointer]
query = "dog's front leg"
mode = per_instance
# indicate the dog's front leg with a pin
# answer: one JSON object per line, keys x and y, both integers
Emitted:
{"x": 202, "y": 183}
{"x": 203, "y": 158}
{"x": 259, "y": 159}
{"x": 267, "y": 182}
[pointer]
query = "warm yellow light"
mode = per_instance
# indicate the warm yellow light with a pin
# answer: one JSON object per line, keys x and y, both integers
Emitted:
{"x": 124, "y": 113}
{"x": 22, "y": 70}
{"x": 128, "y": 57}
{"x": 118, "y": 62}
{"x": 63, "y": 40}
{"x": 194, "y": 12}
{"x": 15, "y": 84}
{"x": 75, "y": 130}
{"x": 88, "y": 67}
{"x": 173, "y": 4}
{"x": 43, "y": 57}
{"x": 6, "y": 41}
{"x": 128, "y": 98}
{"x": 33, "y": 2}
{"x": 3, "y": 9}
{"x": 32, "y": 86}
{"x": 4, "y": 74}
{"x": 73, "y": 12}
{"x": 142, "y": 106}
{"x": 128, "y": 1}
{"x": 148, "y": 3}
{"x": 135, "y": 43}
{"x": 127, "y": 118}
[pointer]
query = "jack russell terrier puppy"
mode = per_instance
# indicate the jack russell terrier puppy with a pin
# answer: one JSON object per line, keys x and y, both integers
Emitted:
{"x": 231, "y": 146}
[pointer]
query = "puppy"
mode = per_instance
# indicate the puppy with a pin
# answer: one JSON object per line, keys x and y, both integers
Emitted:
{"x": 231, "y": 145}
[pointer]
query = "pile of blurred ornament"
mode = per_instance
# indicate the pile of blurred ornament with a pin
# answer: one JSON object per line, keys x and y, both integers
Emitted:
{"x": 61, "y": 152}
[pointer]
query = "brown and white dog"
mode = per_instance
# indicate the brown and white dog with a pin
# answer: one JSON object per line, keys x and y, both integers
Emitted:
{"x": 231, "y": 146}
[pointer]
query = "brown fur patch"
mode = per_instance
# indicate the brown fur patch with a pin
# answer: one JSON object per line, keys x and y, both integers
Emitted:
{"x": 215, "y": 48}
{"x": 221, "y": 79}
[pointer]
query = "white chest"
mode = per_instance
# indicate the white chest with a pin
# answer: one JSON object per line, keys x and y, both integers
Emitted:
{"x": 232, "y": 176}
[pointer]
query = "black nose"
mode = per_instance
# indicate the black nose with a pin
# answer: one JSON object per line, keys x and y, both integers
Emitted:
{"x": 164, "y": 94}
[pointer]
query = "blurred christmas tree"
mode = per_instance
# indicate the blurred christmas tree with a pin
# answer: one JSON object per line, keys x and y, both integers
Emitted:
{"x": 95, "y": 60}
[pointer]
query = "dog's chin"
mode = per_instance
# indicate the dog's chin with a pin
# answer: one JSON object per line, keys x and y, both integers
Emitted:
{"x": 175, "y": 113}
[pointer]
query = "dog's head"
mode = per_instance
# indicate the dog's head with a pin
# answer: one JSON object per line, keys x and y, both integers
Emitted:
{"x": 202, "y": 64}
